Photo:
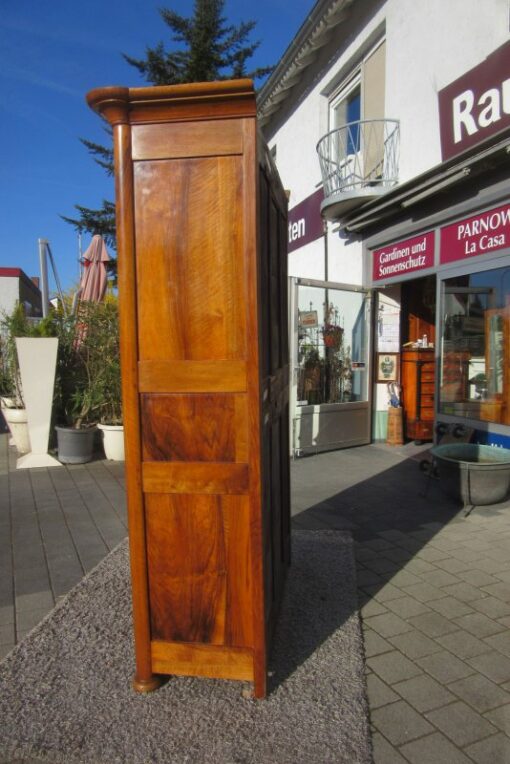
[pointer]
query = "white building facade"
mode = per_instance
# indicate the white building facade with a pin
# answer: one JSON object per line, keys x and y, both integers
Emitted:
{"x": 403, "y": 281}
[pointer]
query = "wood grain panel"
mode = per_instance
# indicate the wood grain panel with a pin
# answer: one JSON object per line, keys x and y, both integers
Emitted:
{"x": 220, "y": 137}
{"x": 199, "y": 569}
{"x": 241, "y": 428}
{"x": 189, "y": 428}
{"x": 202, "y": 660}
{"x": 192, "y": 376}
{"x": 195, "y": 477}
{"x": 191, "y": 292}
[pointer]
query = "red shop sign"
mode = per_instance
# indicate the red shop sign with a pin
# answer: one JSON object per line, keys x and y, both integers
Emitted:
{"x": 479, "y": 235}
{"x": 404, "y": 257}
{"x": 305, "y": 221}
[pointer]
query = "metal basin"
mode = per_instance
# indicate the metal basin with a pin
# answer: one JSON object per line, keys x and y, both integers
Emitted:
{"x": 473, "y": 474}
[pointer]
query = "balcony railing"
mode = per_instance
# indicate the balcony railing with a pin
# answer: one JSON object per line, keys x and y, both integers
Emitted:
{"x": 358, "y": 161}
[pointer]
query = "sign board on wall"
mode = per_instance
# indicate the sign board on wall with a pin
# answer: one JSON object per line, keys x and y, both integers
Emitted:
{"x": 478, "y": 235}
{"x": 404, "y": 257}
{"x": 308, "y": 318}
{"x": 476, "y": 105}
{"x": 305, "y": 221}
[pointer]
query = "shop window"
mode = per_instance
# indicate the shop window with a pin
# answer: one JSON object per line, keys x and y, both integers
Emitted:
{"x": 332, "y": 348}
{"x": 475, "y": 354}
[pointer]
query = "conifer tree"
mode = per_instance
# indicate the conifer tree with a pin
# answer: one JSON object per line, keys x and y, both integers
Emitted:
{"x": 206, "y": 49}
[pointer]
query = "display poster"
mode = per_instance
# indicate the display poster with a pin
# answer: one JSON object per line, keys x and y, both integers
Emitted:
{"x": 388, "y": 329}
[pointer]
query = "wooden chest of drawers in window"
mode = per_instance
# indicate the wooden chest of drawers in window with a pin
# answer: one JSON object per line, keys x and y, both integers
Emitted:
{"x": 418, "y": 380}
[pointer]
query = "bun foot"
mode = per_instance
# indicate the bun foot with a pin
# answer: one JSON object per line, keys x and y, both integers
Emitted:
{"x": 147, "y": 685}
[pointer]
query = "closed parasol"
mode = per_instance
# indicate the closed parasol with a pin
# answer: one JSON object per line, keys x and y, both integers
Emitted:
{"x": 94, "y": 279}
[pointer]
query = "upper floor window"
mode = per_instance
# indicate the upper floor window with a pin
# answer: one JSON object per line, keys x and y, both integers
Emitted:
{"x": 345, "y": 109}
{"x": 362, "y": 97}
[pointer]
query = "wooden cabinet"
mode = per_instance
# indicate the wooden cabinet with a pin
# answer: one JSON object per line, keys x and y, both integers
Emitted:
{"x": 201, "y": 233}
{"x": 417, "y": 373}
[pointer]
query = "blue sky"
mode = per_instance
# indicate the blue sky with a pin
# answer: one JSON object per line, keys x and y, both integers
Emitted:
{"x": 51, "y": 54}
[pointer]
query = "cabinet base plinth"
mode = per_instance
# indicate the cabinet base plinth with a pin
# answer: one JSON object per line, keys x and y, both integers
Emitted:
{"x": 147, "y": 685}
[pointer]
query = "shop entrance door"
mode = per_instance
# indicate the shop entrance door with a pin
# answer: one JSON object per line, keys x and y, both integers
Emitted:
{"x": 330, "y": 352}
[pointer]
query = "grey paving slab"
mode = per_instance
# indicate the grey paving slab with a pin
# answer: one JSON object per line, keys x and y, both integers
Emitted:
{"x": 433, "y": 624}
{"x": 375, "y": 644}
{"x": 372, "y": 607}
{"x": 480, "y": 692}
{"x": 385, "y": 593}
{"x": 461, "y": 723}
{"x": 495, "y": 750}
{"x": 424, "y": 693}
{"x": 388, "y": 624}
{"x": 415, "y": 565}
{"x": 444, "y": 666}
{"x": 501, "y": 590}
{"x": 500, "y": 642}
{"x": 493, "y": 665}
{"x": 491, "y": 607}
{"x": 384, "y": 752}
{"x": 406, "y": 607}
{"x": 477, "y": 577}
{"x": 414, "y": 644}
{"x": 450, "y": 607}
{"x": 379, "y": 694}
{"x": 500, "y": 717}
{"x": 479, "y": 625}
{"x": 400, "y": 722}
{"x": 393, "y": 667}
{"x": 433, "y": 749}
{"x": 463, "y": 644}
{"x": 424, "y": 592}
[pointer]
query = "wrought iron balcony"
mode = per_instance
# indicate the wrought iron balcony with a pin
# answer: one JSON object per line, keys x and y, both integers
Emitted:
{"x": 359, "y": 161}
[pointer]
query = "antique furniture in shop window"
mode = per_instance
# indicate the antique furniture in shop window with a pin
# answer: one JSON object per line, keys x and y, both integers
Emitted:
{"x": 418, "y": 371}
{"x": 202, "y": 237}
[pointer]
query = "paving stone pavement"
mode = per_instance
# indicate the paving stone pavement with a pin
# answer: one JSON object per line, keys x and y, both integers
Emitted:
{"x": 433, "y": 585}
{"x": 434, "y": 593}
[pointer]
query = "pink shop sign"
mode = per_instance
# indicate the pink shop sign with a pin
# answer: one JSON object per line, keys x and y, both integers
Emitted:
{"x": 479, "y": 235}
{"x": 404, "y": 257}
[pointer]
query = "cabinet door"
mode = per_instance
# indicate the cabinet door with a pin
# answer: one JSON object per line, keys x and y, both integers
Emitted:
{"x": 192, "y": 352}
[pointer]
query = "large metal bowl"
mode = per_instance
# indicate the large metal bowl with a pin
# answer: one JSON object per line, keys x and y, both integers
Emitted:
{"x": 472, "y": 473}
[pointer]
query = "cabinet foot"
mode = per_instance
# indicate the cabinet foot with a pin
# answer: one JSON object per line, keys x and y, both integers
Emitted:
{"x": 146, "y": 685}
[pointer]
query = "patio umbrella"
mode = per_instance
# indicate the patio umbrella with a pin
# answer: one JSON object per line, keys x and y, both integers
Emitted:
{"x": 93, "y": 282}
{"x": 94, "y": 279}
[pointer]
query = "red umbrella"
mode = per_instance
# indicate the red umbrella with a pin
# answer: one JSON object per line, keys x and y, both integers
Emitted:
{"x": 94, "y": 279}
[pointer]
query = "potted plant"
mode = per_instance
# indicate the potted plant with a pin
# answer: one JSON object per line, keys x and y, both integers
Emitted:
{"x": 110, "y": 423}
{"x": 88, "y": 391}
{"x": 79, "y": 388}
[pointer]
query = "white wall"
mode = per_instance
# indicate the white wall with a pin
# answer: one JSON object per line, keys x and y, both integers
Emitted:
{"x": 9, "y": 293}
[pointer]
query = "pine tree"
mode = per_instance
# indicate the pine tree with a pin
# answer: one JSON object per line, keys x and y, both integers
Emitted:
{"x": 207, "y": 49}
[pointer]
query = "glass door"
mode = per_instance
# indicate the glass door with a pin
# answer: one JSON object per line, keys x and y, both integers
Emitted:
{"x": 330, "y": 391}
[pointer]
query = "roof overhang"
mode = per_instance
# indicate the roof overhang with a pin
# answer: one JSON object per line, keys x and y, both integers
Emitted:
{"x": 314, "y": 33}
